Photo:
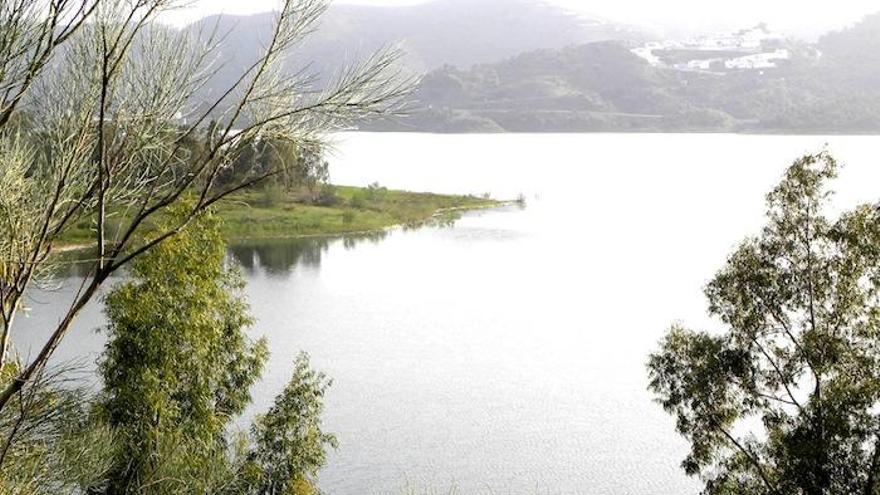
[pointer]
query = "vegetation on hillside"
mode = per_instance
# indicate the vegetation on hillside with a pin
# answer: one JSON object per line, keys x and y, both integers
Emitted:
{"x": 827, "y": 87}
{"x": 293, "y": 199}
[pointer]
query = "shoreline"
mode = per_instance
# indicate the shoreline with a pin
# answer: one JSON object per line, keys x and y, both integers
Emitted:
{"x": 538, "y": 132}
{"x": 291, "y": 219}
{"x": 335, "y": 235}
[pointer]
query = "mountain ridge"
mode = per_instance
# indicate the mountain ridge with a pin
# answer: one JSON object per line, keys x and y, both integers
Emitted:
{"x": 831, "y": 86}
{"x": 456, "y": 32}
{"x": 524, "y": 66}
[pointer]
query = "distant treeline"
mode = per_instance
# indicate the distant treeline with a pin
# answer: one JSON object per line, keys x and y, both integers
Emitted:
{"x": 832, "y": 86}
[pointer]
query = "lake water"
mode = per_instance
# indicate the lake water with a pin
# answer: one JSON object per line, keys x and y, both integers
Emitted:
{"x": 507, "y": 354}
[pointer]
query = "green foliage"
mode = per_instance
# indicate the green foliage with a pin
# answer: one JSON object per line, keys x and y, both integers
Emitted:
{"x": 273, "y": 194}
{"x": 309, "y": 169}
{"x": 245, "y": 216}
{"x": 178, "y": 367}
{"x": 289, "y": 444}
{"x": 348, "y": 217}
{"x": 799, "y": 358}
{"x": 294, "y": 165}
{"x": 177, "y": 364}
{"x": 327, "y": 196}
{"x": 49, "y": 442}
{"x": 370, "y": 197}
{"x": 605, "y": 87}
{"x": 376, "y": 193}
{"x": 358, "y": 200}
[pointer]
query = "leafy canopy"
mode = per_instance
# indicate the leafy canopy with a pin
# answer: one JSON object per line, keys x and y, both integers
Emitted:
{"x": 785, "y": 400}
{"x": 288, "y": 442}
{"x": 178, "y": 368}
{"x": 178, "y": 363}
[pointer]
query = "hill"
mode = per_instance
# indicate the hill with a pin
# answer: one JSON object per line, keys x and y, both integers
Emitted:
{"x": 832, "y": 86}
{"x": 457, "y": 32}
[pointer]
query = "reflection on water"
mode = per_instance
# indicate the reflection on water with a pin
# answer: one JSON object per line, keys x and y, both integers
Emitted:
{"x": 278, "y": 257}
{"x": 77, "y": 263}
{"x": 275, "y": 257}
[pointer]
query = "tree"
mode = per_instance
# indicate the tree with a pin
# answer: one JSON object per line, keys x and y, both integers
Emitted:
{"x": 289, "y": 444}
{"x": 295, "y": 164}
{"x": 104, "y": 143}
{"x": 786, "y": 399}
{"x": 178, "y": 365}
{"x": 302, "y": 165}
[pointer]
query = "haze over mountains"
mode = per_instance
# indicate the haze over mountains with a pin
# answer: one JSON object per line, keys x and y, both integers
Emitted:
{"x": 523, "y": 65}
{"x": 455, "y": 32}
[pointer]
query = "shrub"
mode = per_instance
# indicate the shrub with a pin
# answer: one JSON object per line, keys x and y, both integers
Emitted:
{"x": 358, "y": 200}
{"x": 272, "y": 195}
{"x": 327, "y": 196}
{"x": 376, "y": 193}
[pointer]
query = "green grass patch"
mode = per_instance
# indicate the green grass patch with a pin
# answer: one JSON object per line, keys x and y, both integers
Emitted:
{"x": 270, "y": 213}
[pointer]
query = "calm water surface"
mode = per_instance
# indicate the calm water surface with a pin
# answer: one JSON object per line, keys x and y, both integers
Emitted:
{"x": 507, "y": 354}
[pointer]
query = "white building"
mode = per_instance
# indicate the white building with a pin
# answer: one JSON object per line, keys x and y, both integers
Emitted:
{"x": 747, "y": 49}
{"x": 758, "y": 60}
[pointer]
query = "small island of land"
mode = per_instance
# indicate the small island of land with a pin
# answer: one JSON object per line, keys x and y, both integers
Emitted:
{"x": 273, "y": 213}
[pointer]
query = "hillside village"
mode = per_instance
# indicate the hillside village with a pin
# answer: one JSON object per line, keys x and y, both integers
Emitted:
{"x": 756, "y": 48}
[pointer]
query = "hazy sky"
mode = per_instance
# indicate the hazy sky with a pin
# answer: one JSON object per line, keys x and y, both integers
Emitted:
{"x": 798, "y": 16}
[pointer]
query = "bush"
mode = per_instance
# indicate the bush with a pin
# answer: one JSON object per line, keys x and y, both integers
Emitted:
{"x": 359, "y": 199}
{"x": 273, "y": 194}
{"x": 327, "y": 196}
{"x": 376, "y": 193}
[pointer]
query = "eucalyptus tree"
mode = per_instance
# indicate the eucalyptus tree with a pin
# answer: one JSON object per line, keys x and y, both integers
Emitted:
{"x": 288, "y": 444}
{"x": 108, "y": 127}
{"x": 178, "y": 365}
{"x": 787, "y": 398}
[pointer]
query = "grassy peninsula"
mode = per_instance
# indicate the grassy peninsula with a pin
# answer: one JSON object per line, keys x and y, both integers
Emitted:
{"x": 272, "y": 212}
